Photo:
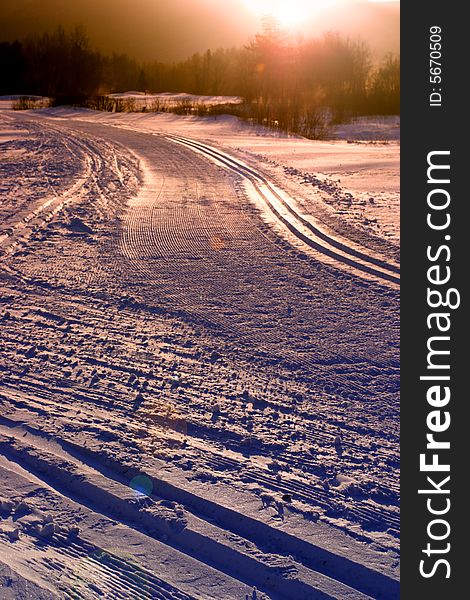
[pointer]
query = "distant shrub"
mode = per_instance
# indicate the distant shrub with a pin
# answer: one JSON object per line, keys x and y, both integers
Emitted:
{"x": 104, "y": 103}
{"x": 30, "y": 102}
{"x": 310, "y": 120}
{"x": 183, "y": 107}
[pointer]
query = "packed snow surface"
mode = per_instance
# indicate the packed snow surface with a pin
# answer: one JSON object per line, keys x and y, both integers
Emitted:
{"x": 199, "y": 368}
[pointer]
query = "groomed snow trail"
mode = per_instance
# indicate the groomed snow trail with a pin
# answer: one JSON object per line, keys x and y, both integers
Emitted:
{"x": 343, "y": 252}
{"x": 197, "y": 402}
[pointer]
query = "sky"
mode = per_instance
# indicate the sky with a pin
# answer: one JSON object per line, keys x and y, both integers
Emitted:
{"x": 170, "y": 30}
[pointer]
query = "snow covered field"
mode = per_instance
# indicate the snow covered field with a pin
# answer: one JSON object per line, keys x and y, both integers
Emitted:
{"x": 200, "y": 368}
{"x": 169, "y": 99}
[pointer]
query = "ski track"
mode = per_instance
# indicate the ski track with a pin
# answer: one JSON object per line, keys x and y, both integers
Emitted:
{"x": 210, "y": 539}
{"x": 98, "y": 570}
{"x": 360, "y": 260}
{"x": 181, "y": 275}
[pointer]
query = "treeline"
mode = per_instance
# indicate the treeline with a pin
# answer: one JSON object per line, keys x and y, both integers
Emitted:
{"x": 272, "y": 71}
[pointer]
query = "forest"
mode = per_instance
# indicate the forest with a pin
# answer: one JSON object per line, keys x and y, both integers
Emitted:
{"x": 289, "y": 82}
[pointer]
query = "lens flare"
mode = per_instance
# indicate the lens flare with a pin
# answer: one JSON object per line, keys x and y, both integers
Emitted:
{"x": 142, "y": 485}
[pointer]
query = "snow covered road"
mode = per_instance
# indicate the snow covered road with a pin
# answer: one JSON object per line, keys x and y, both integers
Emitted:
{"x": 199, "y": 386}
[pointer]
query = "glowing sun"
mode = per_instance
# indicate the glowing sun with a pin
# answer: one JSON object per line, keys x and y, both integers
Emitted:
{"x": 288, "y": 12}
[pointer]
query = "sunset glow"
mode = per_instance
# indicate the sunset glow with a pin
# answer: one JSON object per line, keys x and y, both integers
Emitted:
{"x": 287, "y": 12}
